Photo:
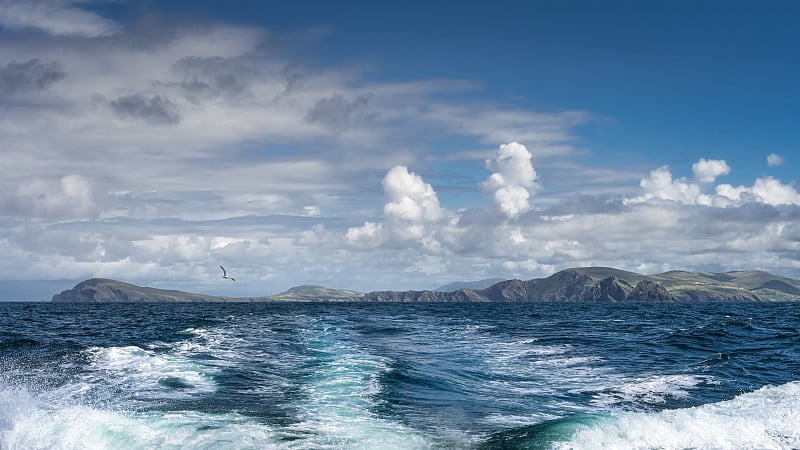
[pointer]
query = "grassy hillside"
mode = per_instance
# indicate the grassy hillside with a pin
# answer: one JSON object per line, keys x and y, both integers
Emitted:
{"x": 311, "y": 293}
{"x": 707, "y": 285}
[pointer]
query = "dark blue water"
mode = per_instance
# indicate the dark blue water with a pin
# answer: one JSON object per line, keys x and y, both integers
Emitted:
{"x": 399, "y": 376}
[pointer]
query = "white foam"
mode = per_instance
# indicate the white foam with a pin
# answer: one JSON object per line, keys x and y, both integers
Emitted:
{"x": 651, "y": 390}
{"x": 768, "y": 418}
{"x": 144, "y": 373}
{"x": 29, "y": 422}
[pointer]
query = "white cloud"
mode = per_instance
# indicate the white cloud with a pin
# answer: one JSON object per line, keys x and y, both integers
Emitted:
{"x": 766, "y": 190}
{"x": 513, "y": 179}
{"x": 411, "y": 208}
{"x": 56, "y": 17}
{"x": 660, "y": 185}
{"x": 410, "y": 198}
{"x": 773, "y": 192}
{"x": 368, "y": 234}
{"x": 774, "y": 159}
{"x": 707, "y": 170}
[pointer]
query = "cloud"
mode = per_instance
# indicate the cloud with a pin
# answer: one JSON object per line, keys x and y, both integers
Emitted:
{"x": 661, "y": 186}
{"x": 545, "y": 132}
{"x": 513, "y": 179}
{"x": 338, "y": 113}
{"x": 155, "y": 110}
{"x": 411, "y": 208}
{"x": 31, "y": 75}
{"x": 774, "y": 160}
{"x": 410, "y": 198}
{"x": 707, "y": 170}
{"x": 210, "y": 77}
{"x": 766, "y": 190}
{"x": 56, "y": 17}
{"x": 69, "y": 197}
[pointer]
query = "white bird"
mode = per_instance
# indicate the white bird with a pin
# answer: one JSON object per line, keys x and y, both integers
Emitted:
{"x": 225, "y": 274}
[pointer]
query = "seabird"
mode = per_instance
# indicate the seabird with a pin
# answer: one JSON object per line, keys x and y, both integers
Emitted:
{"x": 225, "y": 274}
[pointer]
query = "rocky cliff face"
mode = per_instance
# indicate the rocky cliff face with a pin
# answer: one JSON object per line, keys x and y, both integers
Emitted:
{"x": 564, "y": 286}
{"x": 649, "y": 291}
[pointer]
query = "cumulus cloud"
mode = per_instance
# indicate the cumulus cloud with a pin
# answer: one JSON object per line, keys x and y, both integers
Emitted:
{"x": 660, "y": 185}
{"x": 31, "y": 75}
{"x": 774, "y": 159}
{"x": 766, "y": 190}
{"x": 56, "y": 17}
{"x": 707, "y": 170}
{"x": 411, "y": 208}
{"x": 513, "y": 179}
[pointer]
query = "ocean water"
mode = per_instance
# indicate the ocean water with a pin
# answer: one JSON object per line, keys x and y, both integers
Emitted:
{"x": 404, "y": 376}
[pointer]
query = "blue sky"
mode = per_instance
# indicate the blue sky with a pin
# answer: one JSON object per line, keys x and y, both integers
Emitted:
{"x": 377, "y": 145}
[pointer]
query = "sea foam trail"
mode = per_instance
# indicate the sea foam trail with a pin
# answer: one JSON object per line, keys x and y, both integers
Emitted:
{"x": 768, "y": 418}
{"x": 341, "y": 393}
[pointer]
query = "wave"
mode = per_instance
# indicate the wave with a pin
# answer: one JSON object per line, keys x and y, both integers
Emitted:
{"x": 767, "y": 418}
{"x": 28, "y": 421}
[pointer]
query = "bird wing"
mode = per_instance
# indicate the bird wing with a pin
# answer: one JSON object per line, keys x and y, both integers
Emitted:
{"x": 223, "y": 271}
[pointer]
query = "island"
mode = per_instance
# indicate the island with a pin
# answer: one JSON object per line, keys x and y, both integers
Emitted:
{"x": 583, "y": 284}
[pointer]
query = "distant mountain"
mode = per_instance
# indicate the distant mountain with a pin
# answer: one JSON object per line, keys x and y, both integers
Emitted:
{"x": 97, "y": 290}
{"x": 104, "y": 290}
{"x": 456, "y": 285}
{"x": 583, "y": 284}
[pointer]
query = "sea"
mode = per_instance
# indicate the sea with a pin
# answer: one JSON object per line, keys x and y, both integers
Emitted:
{"x": 400, "y": 376}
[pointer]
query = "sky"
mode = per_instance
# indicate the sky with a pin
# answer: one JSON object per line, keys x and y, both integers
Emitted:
{"x": 393, "y": 145}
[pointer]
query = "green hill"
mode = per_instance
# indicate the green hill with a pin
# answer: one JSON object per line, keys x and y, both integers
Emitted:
{"x": 101, "y": 290}
{"x": 309, "y": 293}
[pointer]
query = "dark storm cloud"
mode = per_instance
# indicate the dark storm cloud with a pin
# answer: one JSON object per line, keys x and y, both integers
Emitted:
{"x": 155, "y": 110}
{"x": 339, "y": 113}
{"x": 31, "y": 75}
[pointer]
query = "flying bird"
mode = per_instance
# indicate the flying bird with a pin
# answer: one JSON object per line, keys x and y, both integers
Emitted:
{"x": 225, "y": 274}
